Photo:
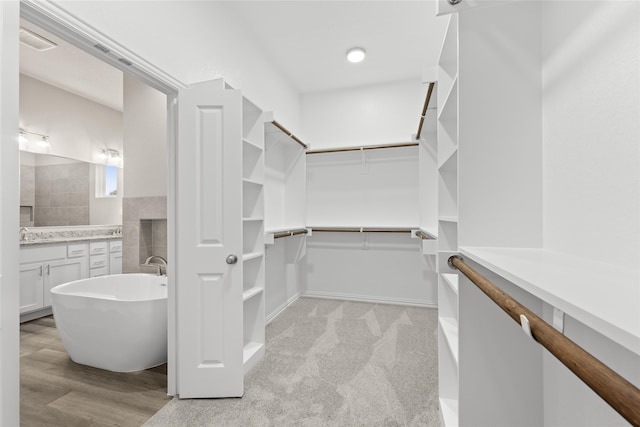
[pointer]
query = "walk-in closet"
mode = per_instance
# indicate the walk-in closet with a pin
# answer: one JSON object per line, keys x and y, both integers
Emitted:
{"x": 449, "y": 240}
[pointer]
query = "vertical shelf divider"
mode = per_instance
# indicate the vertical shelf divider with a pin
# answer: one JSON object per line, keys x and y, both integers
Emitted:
{"x": 448, "y": 348}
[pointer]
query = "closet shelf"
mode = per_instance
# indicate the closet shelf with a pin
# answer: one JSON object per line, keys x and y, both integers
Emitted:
{"x": 289, "y": 233}
{"x": 251, "y": 255}
{"x": 251, "y": 143}
{"x": 451, "y": 280}
{"x": 363, "y": 148}
{"x": 449, "y": 161}
{"x": 449, "y": 411}
{"x": 580, "y": 287}
{"x": 432, "y": 233}
{"x": 250, "y": 293}
{"x": 251, "y": 353}
{"x": 449, "y": 327}
{"x": 367, "y": 229}
{"x": 449, "y": 109}
{"x": 448, "y": 218}
{"x": 252, "y": 182}
{"x": 253, "y": 219}
{"x": 275, "y": 126}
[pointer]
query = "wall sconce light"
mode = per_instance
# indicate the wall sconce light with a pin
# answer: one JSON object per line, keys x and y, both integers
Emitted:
{"x": 42, "y": 143}
{"x": 110, "y": 155}
{"x": 22, "y": 139}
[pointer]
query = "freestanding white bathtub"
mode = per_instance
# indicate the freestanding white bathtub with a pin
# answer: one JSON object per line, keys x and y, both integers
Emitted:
{"x": 116, "y": 322}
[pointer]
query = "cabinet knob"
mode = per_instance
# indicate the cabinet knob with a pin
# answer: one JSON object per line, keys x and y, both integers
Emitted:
{"x": 454, "y": 2}
{"x": 232, "y": 259}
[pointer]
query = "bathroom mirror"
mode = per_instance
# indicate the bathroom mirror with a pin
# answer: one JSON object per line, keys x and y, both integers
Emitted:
{"x": 57, "y": 191}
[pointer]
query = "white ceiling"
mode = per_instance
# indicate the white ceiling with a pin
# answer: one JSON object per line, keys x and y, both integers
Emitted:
{"x": 307, "y": 40}
{"x": 71, "y": 69}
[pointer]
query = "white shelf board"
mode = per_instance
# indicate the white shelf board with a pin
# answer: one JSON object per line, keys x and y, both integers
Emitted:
{"x": 251, "y": 255}
{"x": 451, "y": 280}
{"x": 449, "y": 328}
{"x": 394, "y": 226}
{"x": 251, "y": 143}
{"x": 449, "y": 161}
{"x": 250, "y": 293}
{"x": 431, "y": 232}
{"x": 604, "y": 297}
{"x": 448, "y": 218}
{"x": 251, "y": 353}
{"x": 252, "y": 182}
{"x": 253, "y": 218}
{"x": 449, "y": 411}
{"x": 449, "y": 109}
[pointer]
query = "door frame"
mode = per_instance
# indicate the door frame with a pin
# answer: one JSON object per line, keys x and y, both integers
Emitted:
{"x": 55, "y": 19}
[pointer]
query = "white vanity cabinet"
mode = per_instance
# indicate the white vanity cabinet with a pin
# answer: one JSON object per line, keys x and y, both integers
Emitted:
{"x": 98, "y": 261}
{"x": 43, "y": 267}
{"x": 115, "y": 257}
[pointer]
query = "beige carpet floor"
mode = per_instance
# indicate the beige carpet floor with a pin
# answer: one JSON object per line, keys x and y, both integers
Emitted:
{"x": 332, "y": 363}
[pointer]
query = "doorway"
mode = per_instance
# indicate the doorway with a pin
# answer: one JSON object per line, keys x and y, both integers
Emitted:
{"x": 76, "y": 33}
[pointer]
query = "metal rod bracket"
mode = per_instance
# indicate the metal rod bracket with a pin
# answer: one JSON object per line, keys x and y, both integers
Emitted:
{"x": 524, "y": 323}
{"x": 450, "y": 261}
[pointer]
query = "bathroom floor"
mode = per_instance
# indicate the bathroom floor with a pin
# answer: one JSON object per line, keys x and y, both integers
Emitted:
{"x": 55, "y": 391}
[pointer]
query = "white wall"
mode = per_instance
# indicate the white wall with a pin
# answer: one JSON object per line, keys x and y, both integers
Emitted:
{"x": 78, "y": 128}
{"x": 591, "y": 106}
{"x": 374, "y": 267}
{"x": 381, "y": 192}
{"x": 366, "y": 115}
{"x": 145, "y": 140}
{"x": 195, "y": 41}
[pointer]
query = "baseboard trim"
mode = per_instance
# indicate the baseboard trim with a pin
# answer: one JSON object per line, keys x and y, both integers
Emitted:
{"x": 27, "y": 317}
{"x": 281, "y": 308}
{"x": 370, "y": 299}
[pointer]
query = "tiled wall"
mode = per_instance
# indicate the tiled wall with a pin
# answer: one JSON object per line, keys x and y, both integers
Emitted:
{"x": 27, "y": 195}
{"x": 144, "y": 232}
{"x": 62, "y": 194}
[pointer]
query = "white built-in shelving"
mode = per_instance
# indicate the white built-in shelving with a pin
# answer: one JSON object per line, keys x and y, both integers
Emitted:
{"x": 447, "y": 155}
{"x": 253, "y": 253}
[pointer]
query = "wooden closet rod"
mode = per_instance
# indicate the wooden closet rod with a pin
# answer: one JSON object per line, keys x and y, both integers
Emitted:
{"x": 289, "y": 233}
{"x": 366, "y": 147}
{"x": 623, "y": 396}
{"x": 289, "y": 134}
{"x": 362, "y": 230}
{"x": 424, "y": 109}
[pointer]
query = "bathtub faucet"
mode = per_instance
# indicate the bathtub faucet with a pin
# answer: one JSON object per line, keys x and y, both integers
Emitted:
{"x": 158, "y": 262}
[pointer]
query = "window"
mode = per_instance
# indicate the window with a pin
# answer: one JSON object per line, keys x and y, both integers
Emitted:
{"x": 106, "y": 181}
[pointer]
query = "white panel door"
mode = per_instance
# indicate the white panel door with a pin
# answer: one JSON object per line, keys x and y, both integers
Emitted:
{"x": 446, "y": 7}
{"x": 209, "y": 230}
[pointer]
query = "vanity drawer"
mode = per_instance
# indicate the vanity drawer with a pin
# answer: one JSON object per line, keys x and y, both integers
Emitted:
{"x": 97, "y": 248}
{"x": 95, "y": 272}
{"x": 97, "y": 261}
{"x": 77, "y": 250}
{"x": 115, "y": 246}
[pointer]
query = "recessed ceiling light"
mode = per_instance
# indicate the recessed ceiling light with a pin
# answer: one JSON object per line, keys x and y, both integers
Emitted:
{"x": 356, "y": 54}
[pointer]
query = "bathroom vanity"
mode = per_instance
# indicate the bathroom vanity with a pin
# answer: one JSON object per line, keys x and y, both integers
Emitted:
{"x": 49, "y": 257}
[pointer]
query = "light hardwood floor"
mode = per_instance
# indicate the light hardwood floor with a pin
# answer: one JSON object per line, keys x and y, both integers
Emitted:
{"x": 55, "y": 391}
